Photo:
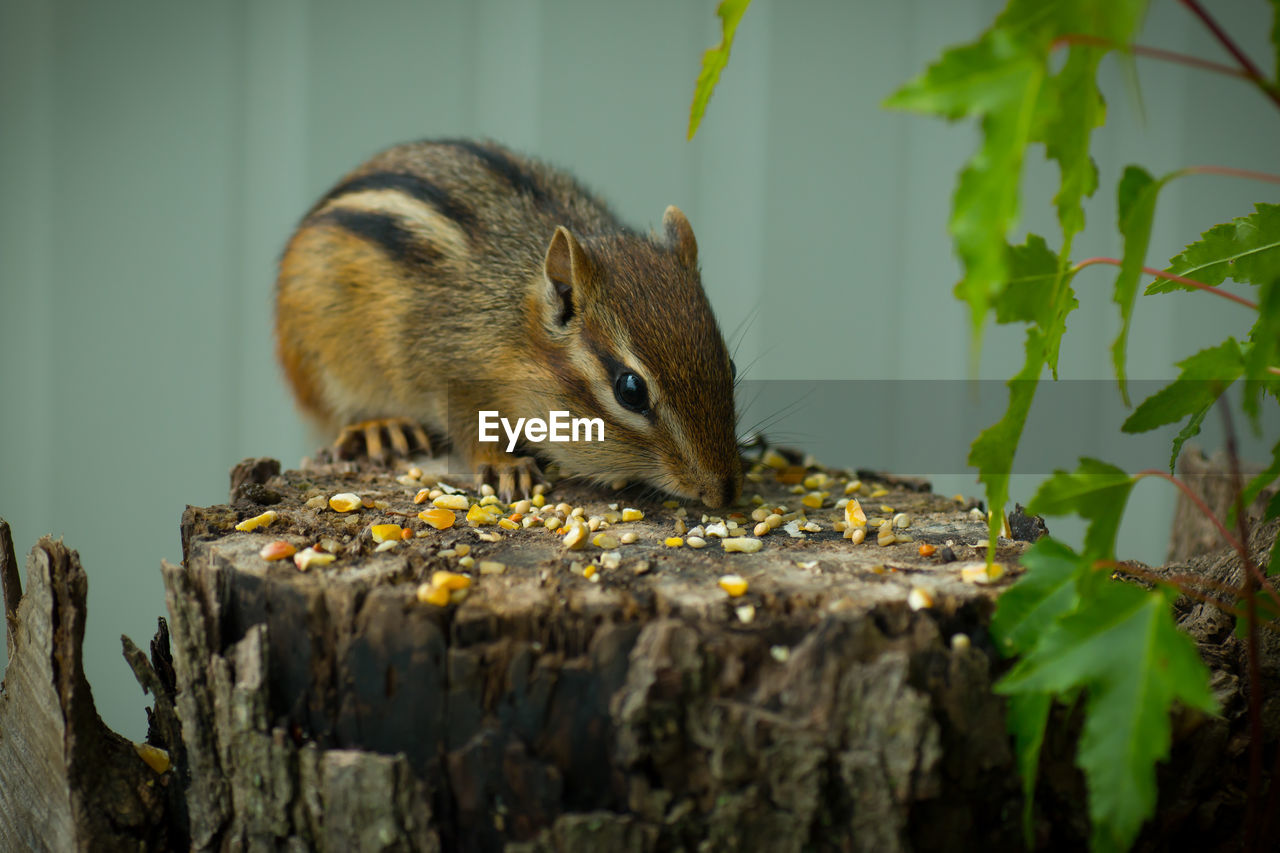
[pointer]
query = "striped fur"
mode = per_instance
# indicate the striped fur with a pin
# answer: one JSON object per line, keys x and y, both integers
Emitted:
{"x": 418, "y": 286}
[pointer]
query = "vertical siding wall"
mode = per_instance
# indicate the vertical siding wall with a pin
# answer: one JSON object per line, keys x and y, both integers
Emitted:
{"x": 154, "y": 156}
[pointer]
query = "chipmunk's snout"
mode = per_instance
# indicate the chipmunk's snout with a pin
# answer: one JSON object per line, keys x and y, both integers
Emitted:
{"x": 721, "y": 491}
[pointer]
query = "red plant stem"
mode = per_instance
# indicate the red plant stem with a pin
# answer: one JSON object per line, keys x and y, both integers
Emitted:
{"x": 1200, "y": 505}
{"x": 1189, "y": 282}
{"x": 1230, "y": 172}
{"x": 1253, "y": 72}
{"x": 1252, "y": 823}
{"x": 1185, "y": 584}
{"x": 1152, "y": 53}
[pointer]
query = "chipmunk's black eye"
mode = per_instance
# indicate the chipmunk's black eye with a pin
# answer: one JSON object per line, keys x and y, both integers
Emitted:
{"x": 733, "y": 370}
{"x": 631, "y": 392}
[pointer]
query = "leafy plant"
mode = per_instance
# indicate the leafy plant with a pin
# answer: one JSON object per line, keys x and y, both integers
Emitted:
{"x": 1079, "y": 631}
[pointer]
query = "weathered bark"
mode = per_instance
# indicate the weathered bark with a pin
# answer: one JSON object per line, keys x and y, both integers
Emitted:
{"x": 1211, "y": 480}
{"x": 67, "y": 782}
{"x": 645, "y": 710}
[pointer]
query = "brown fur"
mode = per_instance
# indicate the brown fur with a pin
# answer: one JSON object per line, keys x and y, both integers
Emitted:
{"x": 420, "y": 285}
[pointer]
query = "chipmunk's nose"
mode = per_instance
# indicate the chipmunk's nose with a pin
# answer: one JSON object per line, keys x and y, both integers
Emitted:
{"x": 721, "y": 492}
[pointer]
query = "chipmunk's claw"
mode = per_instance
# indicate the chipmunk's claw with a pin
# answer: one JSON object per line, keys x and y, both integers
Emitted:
{"x": 405, "y": 437}
{"x": 511, "y": 478}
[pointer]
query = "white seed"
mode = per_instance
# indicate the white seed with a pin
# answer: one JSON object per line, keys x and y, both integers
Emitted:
{"x": 522, "y": 506}
{"x": 857, "y": 535}
{"x": 695, "y": 542}
{"x": 492, "y": 567}
{"x": 387, "y": 546}
{"x": 886, "y": 538}
{"x": 780, "y": 653}
{"x": 761, "y": 529}
{"x": 486, "y": 490}
{"x": 919, "y": 599}
{"x": 628, "y": 537}
{"x": 902, "y": 520}
{"x": 746, "y": 613}
{"x": 681, "y": 529}
{"x": 610, "y": 560}
{"x": 743, "y": 544}
{"x": 959, "y": 642}
{"x": 718, "y": 529}
{"x": 576, "y": 537}
{"x": 308, "y": 557}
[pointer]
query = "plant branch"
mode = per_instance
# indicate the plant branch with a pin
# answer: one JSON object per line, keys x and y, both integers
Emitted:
{"x": 1251, "y": 71}
{"x": 1152, "y": 53}
{"x": 1230, "y": 172}
{"x": 1187, "y": 585}
{"x": 1200, "y": 505}
{"x": 1189, "y": 282}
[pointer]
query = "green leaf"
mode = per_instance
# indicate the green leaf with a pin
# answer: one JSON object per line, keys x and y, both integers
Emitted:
{"x": 1246, "y": 249}
{"x": 1188, "y": 432}
{"x": 1275, "y": 34}
{"x": 1128, "y": 655}
{"x": 1096, "y": 491}
{"x": 992, "y": 451}
{"x": 1027, "y": 297}
{"x": 1203, "y": 378}
{"x": 1028, "y": 718}
{"x": 1046, "y": 593}
{"x": 1262, "y": 352}
{"x": 715, "y": 59}
{"x": 1137, "y": 209}
{"x": 1261, "y": 481}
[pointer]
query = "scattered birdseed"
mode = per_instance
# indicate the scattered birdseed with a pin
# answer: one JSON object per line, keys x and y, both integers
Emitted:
{"x": 853, "y": 488}
{"x": 576, "y": 537}
{"x": 671, "y": 504}
{"x": 318, "y": 502}
{"x": 641, "y": 568}
{"x": 277, "y": 550}
{"x": 428, "y": 594}
{"x": 538, "y": 500}
{"x": 466, "y": 562}
{"x": 857, "y": 535}
{"x": 761, "y": 529}
{"x": 743, "y": 544}
{"x": 385, "y": 532}
{"x": 406, "y": 480}
{"x": 386, "y": 546}
{"x": 926, "y": 550}
{"x": 718, "y": 529}
{"x": 491, "y": 567}
{"x": 605, "y": 541}
{"x": 490, "y": 500}
{"x": 780, "y": 653}
{"x": 885, "y": 538}
{"x": 673, "y": 542}
{"x": 853, "y": 514}
{"x": 681, "y": 527}
{"x": 628, "y": 537}
{"x": 589, "y": 572}
{"x": 959, "y": 642}
{"x": 264, "y": 520}
{"x": 449, "y": 580}
{"x": 508, "y": 524}
{"x": 746, "y": 613}
{"x": 696, "y": 542}
{"x": 610, "y": 560}
{"x": 440, "y": 519}
{"x": 308, "y": 557}
{"x": 980, "y": 573}
{"x": 919, "y": 599}
{"x": 155, "y": 757}
{"x": 629, "y": 514}
{"x": 902, "y": 520}
{"x": 774, "y": 459}
{"x": 814, "y": 500}
{"x": 451, "y": 502}
{"x": 735, "y": 585}
{"x": 879, "y": 492}
{"x": 463, "y": 550}
{"x": 478, "y": 515}
{"x": 415, "y": 472}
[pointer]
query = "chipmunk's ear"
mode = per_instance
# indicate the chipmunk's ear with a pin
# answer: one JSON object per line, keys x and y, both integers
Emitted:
{"x": 680, "y": 236}
{"x": 569, "y": 273}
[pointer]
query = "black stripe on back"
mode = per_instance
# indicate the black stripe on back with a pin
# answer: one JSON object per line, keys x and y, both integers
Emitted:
{"x": 385, "y": 231}
{"x": 411, "y": 185}
{"x": 515, "y": 174}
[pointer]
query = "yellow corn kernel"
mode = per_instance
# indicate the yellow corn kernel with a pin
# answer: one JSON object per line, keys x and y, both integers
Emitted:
{"x": 462, "y": 550}
{"x": 735, "y": 585}
{"x": 386, "y": 532}
{"x": 879, "y": 492}
{"x": 437, "y": 595}
{"x": 157, "y": 759}
{"x": 588, "y": 572}
{"x": 744, "y": 544}
{"x": 257, "y": 521}
{"x": 605, "y": 541}
{"x": 451, "y": 502}
{"x": 673, "y": 542}
{"x": 490, "y": 500}
{"x": 538, "y": 500}
{"x": 308, "y": 557}
{"x": 277, "y": 550}
{"x": 920, "y": 599}
{"x": 576, "y": 537}
{"x": 854, "y": 515}
{"x": 491, "y": 567}
{"x": 629, "y": 514}
{"x": 450, "y": 580}
{"x": 814, "y": 500}
{"x": 508, "y": 524}
{"x": 440, "y": 519}
{"x": 926, "y": 550}
{"x": 479, "y": 515}
{"x": 345, "y": 502}
{"x": 421, "y": 496}
{"x": 774, "y": 459}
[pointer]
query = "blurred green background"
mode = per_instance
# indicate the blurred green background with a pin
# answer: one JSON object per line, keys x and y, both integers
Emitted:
{"x": 155, "y": 155}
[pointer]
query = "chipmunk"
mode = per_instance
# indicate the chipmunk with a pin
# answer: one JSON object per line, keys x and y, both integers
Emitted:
{"x": 442, "y": 279}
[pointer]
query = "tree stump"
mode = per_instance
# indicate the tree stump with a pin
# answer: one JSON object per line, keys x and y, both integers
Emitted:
{"x": 843, "y": 702}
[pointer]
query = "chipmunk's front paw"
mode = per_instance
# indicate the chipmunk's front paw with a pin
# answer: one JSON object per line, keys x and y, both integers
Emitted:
{"x": 404, "y": 435}
{"x": 511, "y": 476}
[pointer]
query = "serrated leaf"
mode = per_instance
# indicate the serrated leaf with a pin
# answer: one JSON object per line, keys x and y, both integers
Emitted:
{"x": 1027, "y": 720}
{"x": 1203, "y": 378}
{"x": 1027, "y": 298}
{"x": 992, "y": 451}
{"x": 1246, "y": 249}
{"x": 1260, "y": 481}
{"x": 715, "y": 59}
{"x": 1188, "y": 432}
{"x": 1128, "y": 655}
{"x": 1262, "y": 351}
{"x": 1136, "y": 204}
{"x": 1046, "y": 593}
{"x": 1096, "y": 491}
